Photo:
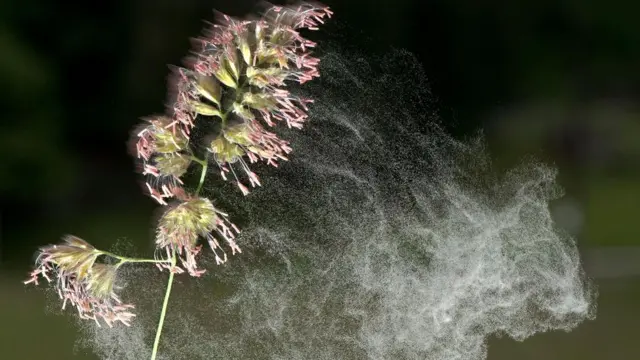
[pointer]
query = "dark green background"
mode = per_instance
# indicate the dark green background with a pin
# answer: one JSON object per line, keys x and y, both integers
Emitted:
{"x": 557, "y": 79}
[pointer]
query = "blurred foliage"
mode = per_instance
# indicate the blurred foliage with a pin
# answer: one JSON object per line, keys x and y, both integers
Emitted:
{"x": 612, "y": 212}
{"x": 33, "y": 159}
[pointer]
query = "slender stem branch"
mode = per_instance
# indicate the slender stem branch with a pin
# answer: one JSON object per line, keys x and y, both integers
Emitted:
{"x": 124, "y": 259}
{"x": 163, "y": 312}
{"x": 198, "y": 160}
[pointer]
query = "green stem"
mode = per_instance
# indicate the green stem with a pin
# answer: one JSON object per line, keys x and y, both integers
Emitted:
{"x": 167, "y": 295}
{"x": 163, "y": 312}
{"x": 204, "y": 164}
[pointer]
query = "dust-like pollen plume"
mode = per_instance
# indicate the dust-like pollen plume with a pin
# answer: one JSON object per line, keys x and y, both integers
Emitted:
{"x": 383, "y": 238}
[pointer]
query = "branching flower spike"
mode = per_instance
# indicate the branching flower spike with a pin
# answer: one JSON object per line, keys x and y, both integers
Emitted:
{"x": 81, "y": 281}
{"x": 234, "y": 91}
{"x": 235, "y": 84}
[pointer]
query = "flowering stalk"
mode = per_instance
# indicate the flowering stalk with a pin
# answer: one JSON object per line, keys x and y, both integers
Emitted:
{"x": 234, "y": 90}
